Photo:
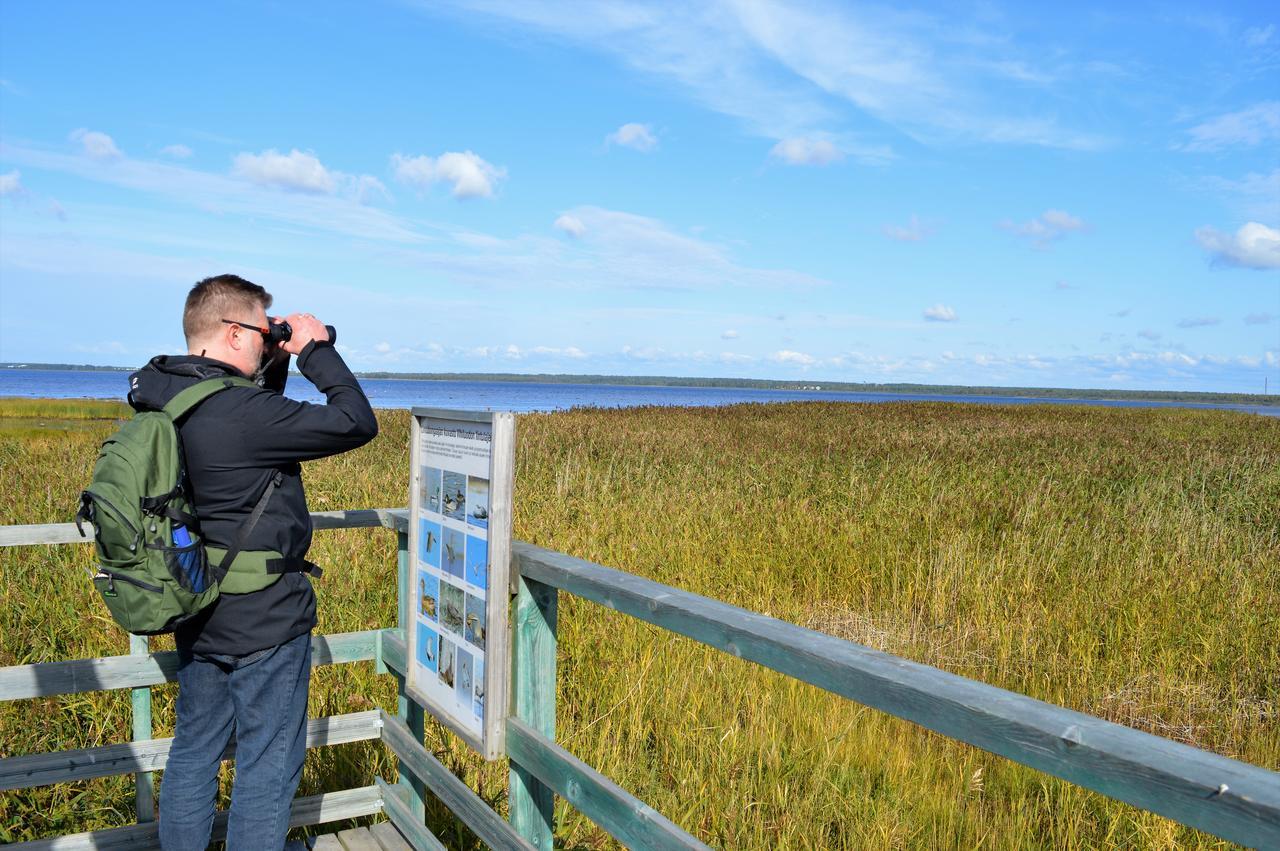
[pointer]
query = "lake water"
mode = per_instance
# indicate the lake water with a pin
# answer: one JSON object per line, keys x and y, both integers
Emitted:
{"x": 524, "y": 397}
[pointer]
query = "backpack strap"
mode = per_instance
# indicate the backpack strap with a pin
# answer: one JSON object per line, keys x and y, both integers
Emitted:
{"x": 181, "y": 404}
{"x": 274, "y": 482}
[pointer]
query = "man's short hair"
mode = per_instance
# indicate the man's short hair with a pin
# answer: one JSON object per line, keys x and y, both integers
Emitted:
{"x": 217, "y": 298}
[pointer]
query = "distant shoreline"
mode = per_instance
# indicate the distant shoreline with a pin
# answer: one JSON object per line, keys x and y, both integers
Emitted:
{"x": 771, "y": 384}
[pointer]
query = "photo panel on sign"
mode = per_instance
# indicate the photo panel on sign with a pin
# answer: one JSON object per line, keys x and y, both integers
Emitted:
{"x": 455, "y": 548}
{"x": 430, "y": 500}
{"x": 447, "y": 661}
{"x": 475, "y": 626}
{"x": 428, "y": 595}
{"x": 478, "y": 502}
{"x": 477, "y": 706}
{"x": 428, "y": 647}
{"x": 453, "y": 497}
{"x": 477, "y": 561}
{"x": 466, "y": 682}
{"x": 452, "y": 607}
{"x": 429, "y": 543}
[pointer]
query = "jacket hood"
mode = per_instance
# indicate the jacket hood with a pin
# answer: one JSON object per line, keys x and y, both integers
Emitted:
{"x": 165, "y": 376}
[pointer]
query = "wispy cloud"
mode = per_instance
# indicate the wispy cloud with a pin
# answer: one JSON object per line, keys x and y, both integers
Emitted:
{"x": 468, "y": 175}
{"x": 572, "y": 225}
{"x": 96, "y": 145}
{"x": 11, "y": 183}
{"x": 638, "y": 137}
{"x": 1253, "y": 246}
{"x": 1045, "y": 229}
{"x": 177, "y": 152}
{"x": 940, "y": 313}
{"x": 788, "y": 356}
{"x": 1258, "y": 36}
{"x": 1259, "y": 319}
{"x": 801, "y": 151}
{"x": 1250, "y": 127}
{"x": 790, "y": 69}
{"x": 913, "y": 231}
{"x": 1199, "y": 322}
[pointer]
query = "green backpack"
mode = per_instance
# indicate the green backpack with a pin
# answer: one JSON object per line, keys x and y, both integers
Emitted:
{"x": 154, "y": 572}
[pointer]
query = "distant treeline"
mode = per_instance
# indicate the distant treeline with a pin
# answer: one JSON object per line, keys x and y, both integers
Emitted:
{"x": 837, "y": 386}
{"x": 770, "y": 384}
{"x": 69, "y": 367}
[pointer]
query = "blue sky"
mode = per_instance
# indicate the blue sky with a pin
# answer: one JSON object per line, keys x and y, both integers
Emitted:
{"x": 991, "y": 194}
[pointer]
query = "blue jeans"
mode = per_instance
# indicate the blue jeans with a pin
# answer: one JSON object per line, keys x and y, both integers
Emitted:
{"x": 261, "y": 700}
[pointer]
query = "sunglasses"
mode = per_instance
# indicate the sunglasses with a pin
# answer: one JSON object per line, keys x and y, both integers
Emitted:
{"x": 276, "y": 333}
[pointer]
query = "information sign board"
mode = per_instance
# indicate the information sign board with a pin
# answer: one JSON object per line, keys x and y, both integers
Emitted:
{"x": 460, "y": 547}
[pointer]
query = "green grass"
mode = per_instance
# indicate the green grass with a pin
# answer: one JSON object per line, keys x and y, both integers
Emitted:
{"x": 1122, "y": 562}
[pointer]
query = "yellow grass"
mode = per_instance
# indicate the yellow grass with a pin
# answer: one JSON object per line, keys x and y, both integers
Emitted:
{"x": 1123, "y": 562}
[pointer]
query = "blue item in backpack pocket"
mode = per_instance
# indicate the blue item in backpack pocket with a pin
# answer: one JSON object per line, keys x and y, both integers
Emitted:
{"x": 189, "y": 561}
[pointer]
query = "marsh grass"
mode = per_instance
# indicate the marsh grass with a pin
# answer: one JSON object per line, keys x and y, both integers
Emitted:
{"x": 1123, "y": 562}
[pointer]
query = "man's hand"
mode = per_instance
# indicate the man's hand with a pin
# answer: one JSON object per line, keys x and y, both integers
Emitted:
{"x": 305, "y": 329}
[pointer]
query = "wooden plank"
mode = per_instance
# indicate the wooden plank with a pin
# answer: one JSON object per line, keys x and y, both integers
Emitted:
{"x": 407, "y": 708}
{"x": 328, "y": 842}
{"x": 534, "y": 674}
{"x": 44, "y": 679}
{"x": 388, "y": 838}
{"x": 21, "y": 772}
{"x": 409, "y": 825}
{"x": 456, "y": 795}
{"x": 1225, "y": 797}
{"x": 357, "y": 839}
{"x": 140, "y": 701}
{"x": 316, "y": 809}
{"x": 626, "y": 818}
{"x": 66, "y": 533}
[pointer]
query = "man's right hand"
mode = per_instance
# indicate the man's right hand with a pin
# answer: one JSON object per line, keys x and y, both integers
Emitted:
{"x": 305, "y": 329}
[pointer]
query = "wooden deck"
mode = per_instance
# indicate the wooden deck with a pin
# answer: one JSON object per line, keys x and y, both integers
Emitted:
{"x": 381, "y": 837}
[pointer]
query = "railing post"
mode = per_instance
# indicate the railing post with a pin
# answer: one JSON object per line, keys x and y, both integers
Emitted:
{"x": 408, "y": 709}
{"x": 534, "y": 703}
{"x": 143, "y": 781}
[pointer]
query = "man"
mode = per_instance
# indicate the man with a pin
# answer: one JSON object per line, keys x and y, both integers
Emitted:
{"x": 245, "y": 662}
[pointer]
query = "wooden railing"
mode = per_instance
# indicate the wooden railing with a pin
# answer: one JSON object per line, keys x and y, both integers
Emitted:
{"x": 1231, "y": 799}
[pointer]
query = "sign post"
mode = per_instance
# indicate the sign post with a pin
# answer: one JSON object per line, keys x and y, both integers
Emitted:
{"x": 459, "y": 548}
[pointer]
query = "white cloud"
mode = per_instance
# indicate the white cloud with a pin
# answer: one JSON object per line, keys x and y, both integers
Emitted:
{"x": 1046, "y": 228}
{"x": 57, "y": 209}
{"x": 637, "y": 136}
{"x": 469, "y": 175}
{"x": 572, "y": 225}
{"x": 791, "y": 69}
{"x": 1199, "y": 322}
{"x": 940, "y": 313}
{"x": 98, "y": 146}
{"x": 1258, "y": 36}
{"x": 798, "y": 358}
{"x": 296, "y": 170}
{"x": 1259, "y": 124}
{"x": 177, "y": 152}
{"x": 801, "y": 151}
{"x": 11, "y": 183}
{"x": 382, "y": 348}
{"x": 1254, "y": 246}
{"x": 914, "y": 231}
{"x": 729, "y": 334}
{"x": 366, "y": 189}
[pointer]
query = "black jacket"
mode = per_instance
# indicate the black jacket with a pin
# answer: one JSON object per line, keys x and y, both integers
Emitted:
{"x": 235, "y": 441}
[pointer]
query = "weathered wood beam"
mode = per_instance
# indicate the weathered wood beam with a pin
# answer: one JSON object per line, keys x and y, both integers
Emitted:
{"x": 66, "y": 533}
{"x": 402, "y": 816}
{"x": 316, "y": 809}
{"x": 44, "y": 679}
{"x": 21, "y": 772}
{"x": 1225, "y": 797}
{"x": 626, "y": 818}
{"x": 474, "y": 812}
